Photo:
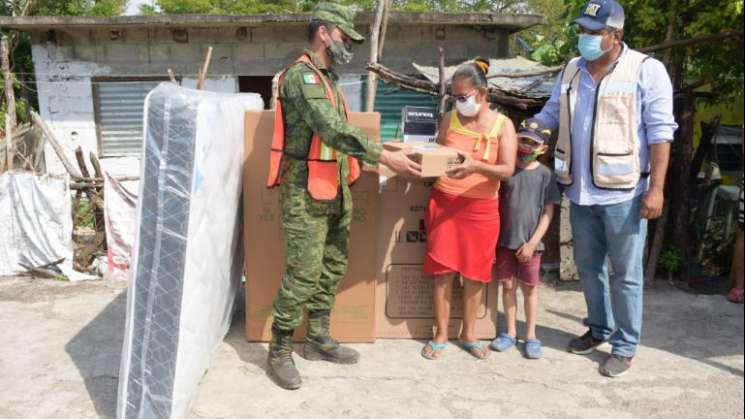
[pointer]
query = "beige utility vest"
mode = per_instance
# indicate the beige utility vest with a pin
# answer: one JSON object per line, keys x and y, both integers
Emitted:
{"x": 615, "y": 145}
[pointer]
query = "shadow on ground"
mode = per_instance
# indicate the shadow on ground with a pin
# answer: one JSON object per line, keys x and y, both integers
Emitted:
{"x": 96, "y": 352}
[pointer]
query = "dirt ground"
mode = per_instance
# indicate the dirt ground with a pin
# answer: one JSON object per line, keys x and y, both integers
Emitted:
{"x": 61, "y": 344}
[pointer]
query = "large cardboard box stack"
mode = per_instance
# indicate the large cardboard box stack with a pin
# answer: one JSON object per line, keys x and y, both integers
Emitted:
{"x": 353, "y": 319}
{"x": 384, "y": 293}
{"x": 404, "y": 296}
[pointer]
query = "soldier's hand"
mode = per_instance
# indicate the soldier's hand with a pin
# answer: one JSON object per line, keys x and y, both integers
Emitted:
{"x": 399, "y": 162}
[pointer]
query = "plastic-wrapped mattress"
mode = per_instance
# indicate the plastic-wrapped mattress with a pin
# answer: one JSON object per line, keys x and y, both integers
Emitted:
{"x": 187, "y": 257}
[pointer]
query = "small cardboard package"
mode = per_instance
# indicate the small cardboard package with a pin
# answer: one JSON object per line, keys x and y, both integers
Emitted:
{"x": 404, "y": 295}
{"x": 434, "y": 158}
{"x": 353, "y": 317}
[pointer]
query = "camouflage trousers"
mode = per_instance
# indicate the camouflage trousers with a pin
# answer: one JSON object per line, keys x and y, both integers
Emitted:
{"x": 316, "y": 236}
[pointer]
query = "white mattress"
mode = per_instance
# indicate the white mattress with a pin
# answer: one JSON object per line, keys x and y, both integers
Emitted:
{"x": 187, "y": 260}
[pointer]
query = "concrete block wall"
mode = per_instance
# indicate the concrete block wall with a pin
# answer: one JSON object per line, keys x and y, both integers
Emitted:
{"x": 68, "y": 62}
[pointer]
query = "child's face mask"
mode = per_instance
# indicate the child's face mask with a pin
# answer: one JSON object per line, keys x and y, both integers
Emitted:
{"x": 528, "y": 149}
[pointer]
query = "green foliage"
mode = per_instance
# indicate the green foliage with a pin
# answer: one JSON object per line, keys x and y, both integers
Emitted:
{"x": 239, "y": 7}
{"x": 85, "y": 215}
{"x": 647, "y": 23}
{"x": 554, "y": 51}
{"x": 65, "y": 7}
{"x": 671, "y": 260}
{"x": 225, "y": 7}
{"x": 717, "y": 254}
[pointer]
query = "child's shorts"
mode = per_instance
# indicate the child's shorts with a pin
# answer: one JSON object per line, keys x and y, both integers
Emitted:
{"x": 509, "y": 267}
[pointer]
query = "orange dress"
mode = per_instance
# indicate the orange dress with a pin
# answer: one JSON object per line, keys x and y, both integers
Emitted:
{"x": 462, "y": 218}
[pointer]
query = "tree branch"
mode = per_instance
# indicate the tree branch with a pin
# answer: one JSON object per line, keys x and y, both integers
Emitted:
{"x": 691, "y": 41}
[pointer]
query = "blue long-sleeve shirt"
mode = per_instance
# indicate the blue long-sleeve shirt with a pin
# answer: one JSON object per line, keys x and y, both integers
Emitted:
{"x": 656, "y": 125}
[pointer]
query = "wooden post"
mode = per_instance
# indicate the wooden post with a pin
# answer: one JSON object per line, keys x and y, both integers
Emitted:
{"x": 9, "y": 93}
{"x": 443, "y": 85}
{"x": 372, "y": 81}
{"x": 384, "y": 28}
{"x": 10, "y": 114}
{"x": 56, "y": 145}
{"x": 96, "y": 165}
{"x": 202, "y": 74}
{"x": 9, "y": 142}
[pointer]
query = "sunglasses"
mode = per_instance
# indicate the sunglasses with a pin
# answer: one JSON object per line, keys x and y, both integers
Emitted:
{"x": 463, "y": 98}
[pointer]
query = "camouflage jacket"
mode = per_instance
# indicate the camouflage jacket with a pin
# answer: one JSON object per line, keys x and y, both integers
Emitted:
{"x": 307, "y": 110}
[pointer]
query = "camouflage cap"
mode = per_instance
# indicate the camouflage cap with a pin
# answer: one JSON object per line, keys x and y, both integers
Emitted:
{"x": 340, "y": 15}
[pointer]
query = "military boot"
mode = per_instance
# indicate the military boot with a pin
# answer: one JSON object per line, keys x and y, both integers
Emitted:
{"x": 320, "y": 346}
{"x": 281, "y": 365}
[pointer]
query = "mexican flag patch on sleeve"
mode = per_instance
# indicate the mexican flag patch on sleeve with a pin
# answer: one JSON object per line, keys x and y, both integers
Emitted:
{"x": 311, "y": 78}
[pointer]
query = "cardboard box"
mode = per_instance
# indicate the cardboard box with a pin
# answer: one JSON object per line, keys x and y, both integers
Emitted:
{"x": 353, "y": 318}
{"x": 434, "y": 158}
{"x": 404, "y": 296}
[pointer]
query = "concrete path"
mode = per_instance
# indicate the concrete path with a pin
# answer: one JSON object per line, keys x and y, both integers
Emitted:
{"x": 60, "y": 349}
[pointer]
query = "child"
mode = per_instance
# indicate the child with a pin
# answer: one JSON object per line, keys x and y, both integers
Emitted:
{"x": 527, "y": 205}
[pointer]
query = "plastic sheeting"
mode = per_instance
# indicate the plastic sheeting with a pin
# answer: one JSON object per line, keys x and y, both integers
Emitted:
{"x": 120, "y": 216}
{"x": 187, "y": 260}
{"x": 36, "y": 223}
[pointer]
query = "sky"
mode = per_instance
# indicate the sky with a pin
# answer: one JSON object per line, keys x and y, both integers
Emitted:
{"x": 134, "y": 6}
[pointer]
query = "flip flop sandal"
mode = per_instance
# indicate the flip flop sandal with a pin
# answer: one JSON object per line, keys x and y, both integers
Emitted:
{"x": 476, "y": 348}
{"x": 435, "y": 350}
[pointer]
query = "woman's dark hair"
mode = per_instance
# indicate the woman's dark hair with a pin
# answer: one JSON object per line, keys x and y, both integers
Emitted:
{"x": 475, "y": 72}
{"x": 315, "y": 25}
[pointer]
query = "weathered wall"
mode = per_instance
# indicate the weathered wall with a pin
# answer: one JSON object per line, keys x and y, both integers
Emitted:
{"x": 68, "y": 61}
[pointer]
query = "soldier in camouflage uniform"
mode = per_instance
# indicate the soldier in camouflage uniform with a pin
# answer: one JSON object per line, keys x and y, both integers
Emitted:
{"x": 316, "y": 232}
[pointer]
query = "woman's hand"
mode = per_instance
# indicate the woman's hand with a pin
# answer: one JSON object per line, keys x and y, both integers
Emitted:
{"x": 468, "y": 167}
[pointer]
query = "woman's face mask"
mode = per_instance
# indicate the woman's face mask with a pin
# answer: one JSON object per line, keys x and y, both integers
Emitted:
{"x": 467, "y": 105}
{"x": 590, "y": 46}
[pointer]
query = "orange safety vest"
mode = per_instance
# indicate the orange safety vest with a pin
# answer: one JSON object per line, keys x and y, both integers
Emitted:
{"x": 323, "y": 167}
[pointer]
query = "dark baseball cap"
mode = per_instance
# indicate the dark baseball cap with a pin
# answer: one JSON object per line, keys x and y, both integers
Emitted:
{"x": 601, "y": 14}
{"x": 534, "y": 129}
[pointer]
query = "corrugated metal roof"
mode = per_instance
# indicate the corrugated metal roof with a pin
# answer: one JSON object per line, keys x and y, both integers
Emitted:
{"x": 531, "y": 86}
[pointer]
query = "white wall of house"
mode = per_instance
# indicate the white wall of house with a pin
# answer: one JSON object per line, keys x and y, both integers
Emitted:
{"x": 69, "y": 61}
{"x": 65, "y": 91}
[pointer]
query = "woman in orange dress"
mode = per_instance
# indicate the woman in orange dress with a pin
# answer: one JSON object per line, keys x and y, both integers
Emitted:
{"x": 462, "y": 219}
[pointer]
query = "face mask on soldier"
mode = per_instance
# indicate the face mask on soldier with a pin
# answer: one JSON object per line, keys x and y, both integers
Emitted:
{"x": 339, "y": 52}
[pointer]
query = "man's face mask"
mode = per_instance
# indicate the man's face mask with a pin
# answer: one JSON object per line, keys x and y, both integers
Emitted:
{"x": 339, "y": 52}
{"x": 590, "y": 46}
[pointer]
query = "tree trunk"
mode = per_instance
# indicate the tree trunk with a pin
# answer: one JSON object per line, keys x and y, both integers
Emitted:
{"x": 657, "y": 242}
{"x": 10, "y": 113}
{"x": 660, "y": 225}
{"x": 682, "y": 150}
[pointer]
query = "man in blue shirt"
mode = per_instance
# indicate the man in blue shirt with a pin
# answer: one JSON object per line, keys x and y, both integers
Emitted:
{"x": 614, "y": 110}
